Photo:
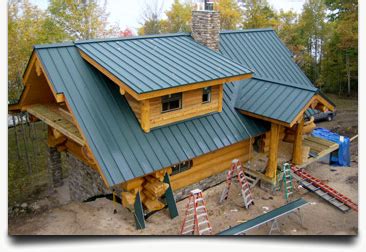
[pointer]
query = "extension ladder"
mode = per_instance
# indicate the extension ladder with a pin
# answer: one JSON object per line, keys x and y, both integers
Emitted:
{"x": 324, "y": 191}
{"x": 196, "y": 217}
{"x": 287, "y": 180}
{"x": 244, "y": 185}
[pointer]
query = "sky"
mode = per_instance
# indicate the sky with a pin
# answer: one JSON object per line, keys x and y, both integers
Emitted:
{"x": 127, "y": 13}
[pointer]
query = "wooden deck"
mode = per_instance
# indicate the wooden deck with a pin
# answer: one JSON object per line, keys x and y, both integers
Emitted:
{"x": 57, "y": 118}
{"x": 319, "y": 148}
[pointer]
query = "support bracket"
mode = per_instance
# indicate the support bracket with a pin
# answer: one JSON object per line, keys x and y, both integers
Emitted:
{"x": 169, "y": 197}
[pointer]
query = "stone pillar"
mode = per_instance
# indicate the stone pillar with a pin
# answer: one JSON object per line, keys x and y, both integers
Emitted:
{"x": 84, "y": 181}
{"x": 206, "y": 28}
{"x": 55, "y": 166}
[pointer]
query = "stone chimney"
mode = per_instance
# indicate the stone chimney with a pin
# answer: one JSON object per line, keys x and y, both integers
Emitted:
{"x": 206, "y": 26}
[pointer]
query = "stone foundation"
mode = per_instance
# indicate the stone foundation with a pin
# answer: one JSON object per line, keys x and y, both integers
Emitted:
{"x": 203, "y": 185}
{"x": 55, "y": 166}
{"x": 84, "y": 181}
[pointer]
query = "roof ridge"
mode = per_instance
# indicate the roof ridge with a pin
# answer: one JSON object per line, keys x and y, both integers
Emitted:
{"x": 247, "y": 30}
{"x": 288, "y": 84}
{"x": 54, "y": 45}
{"x": 178, "y": 34}
{"x": 73, "y": 43}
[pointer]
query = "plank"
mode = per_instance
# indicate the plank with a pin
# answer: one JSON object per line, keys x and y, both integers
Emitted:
{"x": 51, "y": 115}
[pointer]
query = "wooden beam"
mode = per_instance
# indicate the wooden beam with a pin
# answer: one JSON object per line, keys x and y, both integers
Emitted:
{"x": 161, "y": 92}
{"x": 95, "y": 162}
{"x": 51, "y": 116}
{"x": 273, "y": 151}
{"x": 325, "y": 102}
{"x": 58, "y": 96}
{"x": 221, "y": 95}
{"x": 55, "y": 140}
{"x": 145, "y": 116}
{"x": 297, "y": 147}
{"x": 76, "y": 149}
{"x": 30, "y": 65}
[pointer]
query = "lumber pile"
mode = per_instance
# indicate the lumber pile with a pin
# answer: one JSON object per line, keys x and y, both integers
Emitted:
{"x": 151, "y": 188}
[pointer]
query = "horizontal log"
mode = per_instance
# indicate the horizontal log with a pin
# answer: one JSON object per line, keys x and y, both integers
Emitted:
{"x": 133, "y": 183}
{"x": 153, "y": 205}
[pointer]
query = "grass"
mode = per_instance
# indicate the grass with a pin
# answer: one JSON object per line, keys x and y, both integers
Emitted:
{"x": 28, "y": 178}
{"x": 344, "y": 102}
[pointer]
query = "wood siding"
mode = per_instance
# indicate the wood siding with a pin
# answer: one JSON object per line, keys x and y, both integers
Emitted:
{"x": 192, "y": 106}
{"x": 211, "y": 164}
{"x": 135, "y": 105}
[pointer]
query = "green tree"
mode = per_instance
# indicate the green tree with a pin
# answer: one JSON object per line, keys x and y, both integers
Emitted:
{"x": 179, "y": 17}
{"x": 230, "y": 14}
{"x": 27, "y": 25}
{"x": 151, "y": 19}
{"x": 82, "y": 19}
{"x": 311, "y": 32}
{"x": 344, "y": 16}
{"x": 258, "y": 14}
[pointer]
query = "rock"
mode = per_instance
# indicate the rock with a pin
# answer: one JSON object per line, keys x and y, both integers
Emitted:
{"x": 24, "y": 205}
{"x": 35, "y": 206}
{"x": 267, "y": 197}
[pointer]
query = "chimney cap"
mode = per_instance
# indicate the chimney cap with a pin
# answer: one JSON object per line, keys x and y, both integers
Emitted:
{"x": 209, "y": 5}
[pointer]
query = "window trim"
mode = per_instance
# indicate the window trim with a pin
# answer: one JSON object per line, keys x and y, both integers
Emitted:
{"x": 169, "y": 99}
{"x": 190, "y": 165}
{"x": 209, "y": 94}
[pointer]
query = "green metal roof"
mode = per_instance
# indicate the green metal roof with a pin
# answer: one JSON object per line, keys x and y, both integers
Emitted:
{"x": 115, "y": 137}
{"x": 152, "y": 63}
{"x": 279, "y": 89}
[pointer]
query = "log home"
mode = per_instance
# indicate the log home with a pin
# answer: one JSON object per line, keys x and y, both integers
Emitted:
{"x": 144, "y": 115}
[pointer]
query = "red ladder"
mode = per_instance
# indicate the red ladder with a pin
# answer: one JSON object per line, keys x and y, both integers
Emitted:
{"x": 196, "y": 217}
{"x": 327, "y": 189}
{"x": 244, "y": 185}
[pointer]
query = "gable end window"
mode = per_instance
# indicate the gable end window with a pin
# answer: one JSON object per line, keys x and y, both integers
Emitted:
{"x": 206, "y": 95}
{"x": 181, "y": 167}
{"x": 171, "y": 102}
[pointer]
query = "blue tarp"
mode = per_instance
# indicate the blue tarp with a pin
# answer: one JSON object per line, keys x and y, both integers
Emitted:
{"x": 340, "y": 157}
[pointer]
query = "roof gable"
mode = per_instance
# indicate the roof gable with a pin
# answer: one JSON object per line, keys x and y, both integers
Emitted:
{"x": 279, "y": 89}
{"x": 149, "y": 64}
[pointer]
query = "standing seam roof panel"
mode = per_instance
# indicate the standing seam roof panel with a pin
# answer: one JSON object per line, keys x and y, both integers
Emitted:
{"x": 146, "y": 76}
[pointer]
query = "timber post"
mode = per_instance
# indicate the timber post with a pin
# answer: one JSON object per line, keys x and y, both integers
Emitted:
{"x": 273, "y": 151}
{"x": 297, "y": 148}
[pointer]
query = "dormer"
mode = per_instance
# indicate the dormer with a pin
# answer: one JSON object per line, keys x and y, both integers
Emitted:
{"x": 168, "y": 78}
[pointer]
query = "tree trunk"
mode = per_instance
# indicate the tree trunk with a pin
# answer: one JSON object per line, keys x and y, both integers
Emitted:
{"x": 348, "y": 75}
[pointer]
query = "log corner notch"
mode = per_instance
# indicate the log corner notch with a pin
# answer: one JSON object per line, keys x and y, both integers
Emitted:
{"x": 147, "y": 192}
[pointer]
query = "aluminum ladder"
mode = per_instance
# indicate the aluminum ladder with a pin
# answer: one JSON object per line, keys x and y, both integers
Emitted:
{"x": 324, "y": 191}
{"x": 246, "y": 193}
{"x": 196, "y": 217}
{"x": 287, "y": 181}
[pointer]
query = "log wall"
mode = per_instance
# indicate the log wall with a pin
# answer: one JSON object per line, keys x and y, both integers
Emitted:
{"x": 211, "y": 164}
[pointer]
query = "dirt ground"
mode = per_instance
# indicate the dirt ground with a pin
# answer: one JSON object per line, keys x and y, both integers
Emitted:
{"x": 320, "y": 218}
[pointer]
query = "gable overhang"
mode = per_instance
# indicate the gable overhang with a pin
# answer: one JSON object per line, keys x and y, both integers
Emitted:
{"x": 316, "y": 102}
{"x": 33, "y": 63}
{"x": 148, "y": 95}
{"x": 85, "y": 150}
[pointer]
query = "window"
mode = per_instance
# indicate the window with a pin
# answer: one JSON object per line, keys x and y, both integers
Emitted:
{"x": 171, "y": 102}
{"x": 181, "y": 167}
{"x": 206, "y": 94}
